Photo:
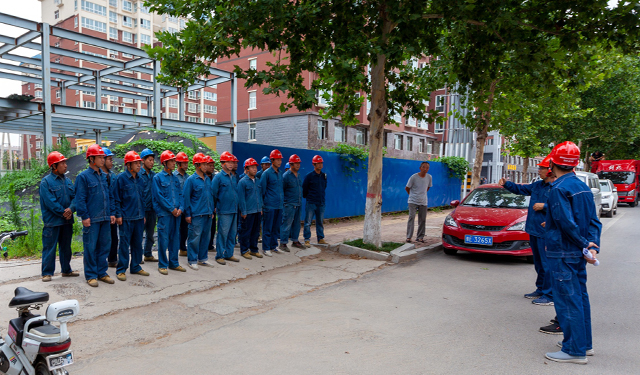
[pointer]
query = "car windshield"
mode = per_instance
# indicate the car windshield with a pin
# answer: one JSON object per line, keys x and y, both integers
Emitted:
{"x": 618, "y": 177}
{"x": 496, "y": 198}
{"x": 604, "y": 186}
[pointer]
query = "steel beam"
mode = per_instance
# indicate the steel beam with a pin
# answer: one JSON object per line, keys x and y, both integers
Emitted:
{"x": 91, "y": 40}
{"x": 221, "y": 73}
{"x": 19, "y": 22}
{"x": 19, "y": 41}
{"x": 202, "y": 128}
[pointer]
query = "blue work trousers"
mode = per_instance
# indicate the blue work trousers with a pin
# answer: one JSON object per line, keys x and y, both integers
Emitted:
{"x": 113, "y": 252}
{"x": 168, "y": 240}
{"x": 271, "y": 223}
{"x": 96, "y": 239}
{"x": 541, "y": 265}
{"x": 59, "y": 236}
{"x": 184, "y": 232}
{"x": 130, "y": 246}
{"x": 249, "y": 233}
{"x": 571, "y": 300}
{"x": 290, "y": 228}
{"x": 310, "y": 210}
{"x": 226, "y": 240}
{"x": 149, "y": 228}
{"x": 198, "y": 240}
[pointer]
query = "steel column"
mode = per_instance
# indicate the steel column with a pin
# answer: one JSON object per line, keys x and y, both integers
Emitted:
{"x": 181, "y": 104}
{"x": 98, "y": 92}
{"x": 157, "y": 109}
{"x": 46, "y": 86}
{"x": 234, "y": 107}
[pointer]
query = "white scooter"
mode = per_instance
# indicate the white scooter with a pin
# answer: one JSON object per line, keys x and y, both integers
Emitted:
{"x": 33, "y": 345}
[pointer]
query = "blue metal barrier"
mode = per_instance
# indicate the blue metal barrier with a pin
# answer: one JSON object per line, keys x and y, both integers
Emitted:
{"x": 346, "y": 194}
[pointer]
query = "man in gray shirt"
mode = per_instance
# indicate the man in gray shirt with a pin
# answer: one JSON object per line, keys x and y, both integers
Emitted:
{"x": 417, "y": 188}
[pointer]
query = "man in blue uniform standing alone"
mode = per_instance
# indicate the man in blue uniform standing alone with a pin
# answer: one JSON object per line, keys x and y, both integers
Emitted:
{"x": 225, "y": 198}
{"x": 272, "y": 200}
{"x": 572, "y": 226}
{"x": 539, "y": 192}
{"x": 148, "y": 159}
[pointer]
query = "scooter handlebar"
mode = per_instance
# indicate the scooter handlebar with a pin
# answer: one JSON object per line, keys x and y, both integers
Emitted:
{"x": 18, "y": 234}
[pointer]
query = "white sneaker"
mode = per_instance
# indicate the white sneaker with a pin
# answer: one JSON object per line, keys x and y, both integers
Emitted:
{"x": 193, "y": 266}
{"x": 205, "y": 264}
{"x": 268, "y": 253}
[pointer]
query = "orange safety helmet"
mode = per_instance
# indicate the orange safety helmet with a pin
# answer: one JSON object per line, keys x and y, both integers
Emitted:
{"x": 131, "y": 156}
{"x": 199, "y": 158}
{"x": 294, "y": 159}
{"x": 94, "y": 150}
{"x": 317, "y": 159}
{"x": 182, "y": 157}
{"x": 55, "y": 157}
{"x": 275, "y": 154}
{"x": 249, "y": 162}
{"x": 226, "y": 156}
{"x": 545, "y": 162}
{"x": 166, "y": 155}
{"x": 566, "y": 154}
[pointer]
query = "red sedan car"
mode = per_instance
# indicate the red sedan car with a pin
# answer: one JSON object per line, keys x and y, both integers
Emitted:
{"x": 489, "y": 220}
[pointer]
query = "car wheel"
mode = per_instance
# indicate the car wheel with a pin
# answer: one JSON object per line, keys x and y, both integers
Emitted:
{"x": 633, "y": 204}
{"x": 615, "y": 210}
{"x": 609, "y": 213}
{"x": 450, "y": 251}
{"x": 529, "y": 259}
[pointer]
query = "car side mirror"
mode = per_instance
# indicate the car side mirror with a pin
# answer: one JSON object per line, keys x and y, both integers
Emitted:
{"x": 455, "y": 203}
{"x": 595, "y": 190}
{"x": 615, "y": 189}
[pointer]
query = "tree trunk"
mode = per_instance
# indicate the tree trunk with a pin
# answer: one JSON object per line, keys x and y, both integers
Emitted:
{"x": 482, "y": 130}
{"x": 377, "y": 118}
{"x": 525, "y": 169}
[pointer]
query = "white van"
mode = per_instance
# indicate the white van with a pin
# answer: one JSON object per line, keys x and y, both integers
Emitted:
{"x": 592, "y": 180}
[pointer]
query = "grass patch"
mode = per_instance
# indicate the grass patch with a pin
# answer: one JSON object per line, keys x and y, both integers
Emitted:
{"x": 386, "y": 246}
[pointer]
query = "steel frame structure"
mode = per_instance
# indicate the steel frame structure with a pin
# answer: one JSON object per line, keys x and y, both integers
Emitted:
{"x": 29, "y": 117}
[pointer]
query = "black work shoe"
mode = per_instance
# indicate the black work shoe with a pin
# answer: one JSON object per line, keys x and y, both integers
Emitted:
{"x": 298, "y": 245}
{"x": 552, "y": 329}
{"x": 284, "y": 247}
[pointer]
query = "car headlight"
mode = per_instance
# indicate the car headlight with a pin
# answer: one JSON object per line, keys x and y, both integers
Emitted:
{"x": 631, "y": 193}
{"x": 518, "y": 226}
{"x": 448, "y": 221}
{"x": 606, "y": 196}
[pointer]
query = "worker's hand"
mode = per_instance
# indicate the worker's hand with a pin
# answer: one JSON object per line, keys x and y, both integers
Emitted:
{"x": 244, "y": 216}
{"x": 113, "y": 220}
{"x": 145, "y": 220}
{"x": 538, "y": 207}
{"x": 67, "y": 213}
{"x": 543, "y": 223}
{"x": 175, "y": 212}
{"x": 119, "y": 221}
{"x": 188, "y": 219}
{"x": 502, "y": 181}
{"x": 179, "y": 213}
{"x": 593, "y": 252}
{"x": 86, "y": 222}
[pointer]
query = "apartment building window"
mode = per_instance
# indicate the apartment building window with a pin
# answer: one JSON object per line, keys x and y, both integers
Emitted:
{"x": 126, "y": 5}
{"x": 397, "y": 117}
{"x": 144, "y": 112}
{"x": 409, "y": 143}
{"x": 323, "y": 98}
{"x": 252, "y": 131}
{"x": 358, "y": 96}
{"x": 252, "y": 100}
{"x": 126, "y": 37}
{"x": 439, "y": 127}
{"x": 39, "y": 144}
{"x": 57, "y": 94}
{"x": 113, "y": 33}
{"x": 94, "y": 25}
{"x": 429, "y": 147}
{"x": 39, "y": 94}
{"x": 75, "y": 4}
{"x": 127, "y": 110}
{"x": 193, "y": 119}
{"x": 210, "y": 121}
{"x": 440, "y": 101}
{"x": 339, "y": 133}
{"x": 173, "y": 116}
{"x": 113, "y": 17}
{"x": 411, "y": 121}
{"x": 87, "y": 104}
{"x": 94, "y": 8}
{"x": 194, "y": 95}
{"x": 75, "y": 25}
{"x": 193, "y": 108}
{"x": 322, "y": 129}
{"x": 368, "y": 105}
{"x": 103, "y": 106}
{"x": 422, "y": 124}
{"x": 397, "y": 140}
{"x": 145, "y": 39}
{"x": 173, "y": 103}
{"x": 113, "y": 3}
{"x": 421, "y": 145}
{"x": 56, "y": 14}
{"x": 183, "y": 24}
{"x": 210, "y": 109}
{"x": 253, "y": 64}
{"x": 145, "y": 24}
{"x": 210, "y": 96}
{"x": 144, "y": 9}
{"x": 127, "y": 100}
{"x": 114, "y": 108}
{"x": 113, "y": 98}
{"x": 173, "y": 19}
{"x": 172, "y": 30}
{"x": 127, "y": 21}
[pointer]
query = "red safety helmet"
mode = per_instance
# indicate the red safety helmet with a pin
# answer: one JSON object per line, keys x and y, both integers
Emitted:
{"x": 131, "y": 156}
{"x": 94, "y": 150}
{"x": 317, "y": 159}
{"x": 166, "y": 155}
{"x": 55, "y": 157}
{"x": 182, "y": 157}
{"x": 234, "y": 158}
{"x": 545, "y": 162}
{"x": 566, "y": 153}
{"x": 209, "y": 159}
{"x": 294, "y": 159}
{"x": 275, "y": 154}
{"x": 199, "y": 158}
{"x": 226, "y": 156}
{"x": 249, "y": 162}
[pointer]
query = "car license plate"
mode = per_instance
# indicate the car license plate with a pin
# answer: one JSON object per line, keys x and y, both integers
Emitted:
{"x": 478, "y": 240}
{"x": 60, "y": 360}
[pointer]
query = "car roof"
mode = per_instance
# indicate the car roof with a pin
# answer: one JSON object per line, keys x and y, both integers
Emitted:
{"x": 490, "y": 186}
{"x": 588, "y": 174}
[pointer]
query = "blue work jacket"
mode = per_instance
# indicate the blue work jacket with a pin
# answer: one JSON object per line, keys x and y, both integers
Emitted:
{"x": 314, "y": 187}
{"x": 167, "y": 194}
{"x": 249, "y": 196}
{"x": 56, "y": 195}
{"x": 259, "y": 174}
{"x": 539, "y": 192}
{"x": 129, "y": 196}
{"x": 181, "y": 177}
{"x": 225, "y": 194}
{"x": 572, "y": 221}
{"x": 292, "y": 186}
{"x": 94, "y": 198}
{"x": 147, "y": 177}
{"x": 272, "y": 190}
{"x": 198, "y": 197}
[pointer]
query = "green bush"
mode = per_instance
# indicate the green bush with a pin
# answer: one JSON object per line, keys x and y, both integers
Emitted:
{"x": 386, "y": 246}
{"x": 458, "y": 167}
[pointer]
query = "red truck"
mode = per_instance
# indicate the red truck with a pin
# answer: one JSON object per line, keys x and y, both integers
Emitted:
{"x": 624, "y": 175}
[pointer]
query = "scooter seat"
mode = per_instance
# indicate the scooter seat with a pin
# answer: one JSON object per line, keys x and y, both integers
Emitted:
{"x": 25, "y": 297}
{"x": 47, "y": 330}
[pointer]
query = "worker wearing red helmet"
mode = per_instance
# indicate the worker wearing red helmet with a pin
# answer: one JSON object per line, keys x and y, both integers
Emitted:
{"x": 250, "y": 207}
{"x": 539, "y": 193}
{"x": 225, "y": 198}
{"x": 168, "y": 204}
{"x": 292, "y": 186}
{"x": 57, "y": 205}
{"x": 571, "y": 226}
{"x": 313, "y": 190}
{"x": 210, "y": 171}
{"x": 130, "y": 216}
{"x": 107, "y": 168}
{"x": 146, "y": 173}
{"x": 96, "y": 207}
{"x": 182, "y": 164}
{"x": 273, "y": 203}
{"x": 198, "y": 211}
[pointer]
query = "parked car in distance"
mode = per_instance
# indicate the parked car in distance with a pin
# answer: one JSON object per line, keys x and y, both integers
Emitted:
{"x": 609, "y": 198}
{"x": 489, "y": 220}
{"x": 592, "y": 180}
{"x": 625, "y": 175}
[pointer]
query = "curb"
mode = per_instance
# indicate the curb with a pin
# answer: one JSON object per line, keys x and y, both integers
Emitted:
{"x": 352, "y": 250}
{"x": 414, "y": 254}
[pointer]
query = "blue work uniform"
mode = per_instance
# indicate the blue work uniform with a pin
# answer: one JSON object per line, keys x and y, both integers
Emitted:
{"x": 167, "y": 196}
{"x": 250, "y": 205}
{"x": 314, "y": 187}
{"x": 225, "y": 201}
{"x": 571, "y": 223}
{"x": 113, "y": 252}
{"x": 149, "y": 212}
{"x": 539, "y": 192}
{"x": 94, "y": 200}
{"x": 198, "y": 206}
{"x": 56, "y": 195}
{"x": 129, "y": 203}
{"x": 272, "y": 206}
{"x": 259, "y": 174}
{"x": 292, "y": 187}
{"x": 184, "y": 226}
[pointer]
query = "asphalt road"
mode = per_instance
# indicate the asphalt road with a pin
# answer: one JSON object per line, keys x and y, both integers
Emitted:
{"x": 461, "y": 314}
